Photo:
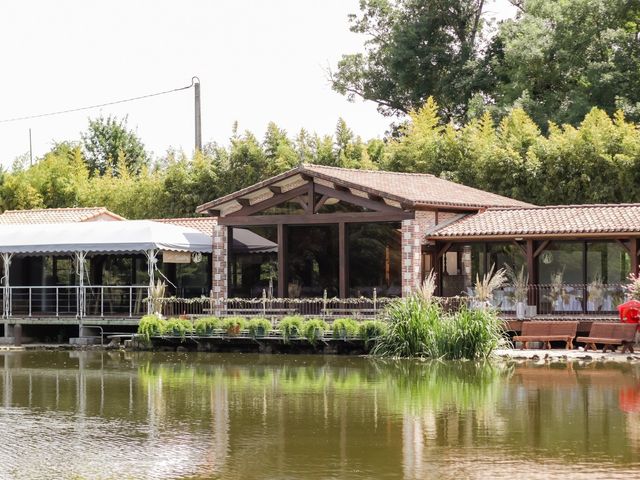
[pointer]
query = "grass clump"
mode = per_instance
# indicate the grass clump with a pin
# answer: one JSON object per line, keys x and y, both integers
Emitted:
{"x": 290, "y": 327}
{"x": 206, "y": 325}
{"x": 259, "y": 327}
{"x": 370, "y": 330}
{"x": 344, "y": 328}
{"x": 419, "y": 328}
{"x": 313, "y": 329}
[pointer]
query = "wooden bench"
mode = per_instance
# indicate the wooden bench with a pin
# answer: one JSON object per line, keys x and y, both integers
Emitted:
{"x": 547, "y": 332}
{"x": 610, "y": 335}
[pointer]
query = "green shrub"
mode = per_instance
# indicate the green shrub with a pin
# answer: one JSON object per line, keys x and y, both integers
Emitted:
{"x": 233, "y": 325}
{"x": 178, "y": 327}
{"x": 314, "y": 329}
{"x": 206, "y": 325}
{"x": 290, "y": 327}
{"x": 151, "y": 326}
{"x": 419, "y": 328}
{"x": 370, "y": 330}
{"x": 344, "y": 327}
{"x": 259, "y": 327}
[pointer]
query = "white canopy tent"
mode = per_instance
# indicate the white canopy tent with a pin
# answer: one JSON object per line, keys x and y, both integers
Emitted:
{"x": 80, "y": 239}
{"x": 101, "y": 237}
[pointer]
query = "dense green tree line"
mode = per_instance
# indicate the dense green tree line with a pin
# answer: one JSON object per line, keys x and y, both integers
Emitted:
{"x": 597, "y": 161}
{"x": 556, "y": 59}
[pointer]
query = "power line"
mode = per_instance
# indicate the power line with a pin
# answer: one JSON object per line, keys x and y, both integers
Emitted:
{"x": 79, "y": 109}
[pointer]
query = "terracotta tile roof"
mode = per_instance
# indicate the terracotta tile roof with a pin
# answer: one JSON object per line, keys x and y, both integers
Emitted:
{"x": 203, "y": 224}
{"x": 55, "y": 215}
{"x": 410, "y": 189}
{"x": 417, "y": 188}
{"x": 552, "y": 220}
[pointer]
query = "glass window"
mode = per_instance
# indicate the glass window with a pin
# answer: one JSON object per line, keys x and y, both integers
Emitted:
{"x": 312, "y": 257}
{"x": 561, "y": 262}
{"x": 374, "y": 258}
{"x": 460, "y": 266}
{"x": 561, "y": 275}
{"x": 253, "y": 262}
{"x": 608, "y": 266}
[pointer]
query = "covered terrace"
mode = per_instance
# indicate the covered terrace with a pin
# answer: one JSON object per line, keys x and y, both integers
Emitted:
{"x": 577, "y": 257}
{"x": 337, "y": 232}
{"x": 92, "y": 269}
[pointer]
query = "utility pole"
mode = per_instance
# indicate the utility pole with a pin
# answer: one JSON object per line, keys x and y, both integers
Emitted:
{"x": 198, "y": 123}
{"x": 30, "y": 149}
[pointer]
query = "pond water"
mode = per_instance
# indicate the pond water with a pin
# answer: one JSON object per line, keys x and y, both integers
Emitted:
{"x": 170, "y": 415}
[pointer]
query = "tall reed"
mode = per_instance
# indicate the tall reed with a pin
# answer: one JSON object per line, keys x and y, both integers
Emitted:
{"x": 419, "y": 328}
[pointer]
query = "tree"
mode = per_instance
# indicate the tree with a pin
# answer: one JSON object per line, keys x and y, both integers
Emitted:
{"x": 560, "y": 58}
{"x": 108, "y": 138}
{"x": 414, "y": 50}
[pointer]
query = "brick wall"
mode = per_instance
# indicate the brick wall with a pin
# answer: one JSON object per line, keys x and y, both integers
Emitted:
{"x": 413, "y": 235}
{"x": 219, "y": 262}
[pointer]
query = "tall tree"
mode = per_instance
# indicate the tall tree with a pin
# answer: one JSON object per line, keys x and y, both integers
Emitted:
{"x": 559, "y": 58}
{"x": 108, "y": 138}
{"x": 414, "y": 49}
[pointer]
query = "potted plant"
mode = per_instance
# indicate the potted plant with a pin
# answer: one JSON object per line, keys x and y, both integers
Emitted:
{"x": 520, "y": 284}
{"x": 179, "y": 327}
{"x": 596, "y": 292}
{"x": 259, "y": 327}
{"x": 344, "y": 328}
{"x": 269, "y": 273}
{"x": 151, "y": 326}
{"x": 233, "y": 325}
{"x": 206, "y": 325}
{"x": 484, "y": 288}
{"x": 314, "y": 329}
{"x": 290, "y": 327}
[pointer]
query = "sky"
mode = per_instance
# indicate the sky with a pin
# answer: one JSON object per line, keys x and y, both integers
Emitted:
{"x": 257, "y": 60}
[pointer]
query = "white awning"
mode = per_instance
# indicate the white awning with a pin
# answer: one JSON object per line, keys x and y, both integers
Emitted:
{"x": 101, "y": 237}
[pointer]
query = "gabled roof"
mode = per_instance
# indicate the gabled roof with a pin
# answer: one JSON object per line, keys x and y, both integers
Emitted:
{"x": 410, "y": 190}
{"x": 56, "y": 215}
{"x": 559, "y": 220}
{"x": 203, "y": 224}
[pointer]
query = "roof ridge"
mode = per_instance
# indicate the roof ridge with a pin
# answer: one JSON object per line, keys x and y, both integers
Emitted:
{"x": 559, "y": 207}
{"x": 54, "y": 208}
{"x": 366, "y": 170}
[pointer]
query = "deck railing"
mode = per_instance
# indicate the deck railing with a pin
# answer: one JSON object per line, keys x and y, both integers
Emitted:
{"x": 64, "y": 301}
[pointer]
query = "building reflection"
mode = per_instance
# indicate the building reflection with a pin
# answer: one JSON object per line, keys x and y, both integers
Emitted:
{"x": 224, "y": 415}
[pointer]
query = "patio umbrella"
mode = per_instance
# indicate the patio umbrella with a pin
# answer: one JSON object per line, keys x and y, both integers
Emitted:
{"x": 630, "y": 311}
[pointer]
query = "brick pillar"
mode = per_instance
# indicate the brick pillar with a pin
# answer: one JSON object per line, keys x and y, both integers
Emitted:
{"x": 413, "y": 237}
{"x": 411, "y": 257}
{"x": 219, "y": 259}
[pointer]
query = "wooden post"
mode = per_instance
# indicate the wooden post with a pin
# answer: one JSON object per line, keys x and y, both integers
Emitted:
{"x": 633, "y": 244}
{"x": 282, "y": 261}
{"x": 343, "y": 262}
{"x": 531, "y": 272}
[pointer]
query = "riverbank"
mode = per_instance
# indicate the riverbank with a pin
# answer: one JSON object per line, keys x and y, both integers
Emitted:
{"x": 561, "y": 355}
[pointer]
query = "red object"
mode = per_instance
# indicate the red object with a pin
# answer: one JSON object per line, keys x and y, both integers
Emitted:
{"x": 629, "y": 399}
{"x": 630, "y": 311}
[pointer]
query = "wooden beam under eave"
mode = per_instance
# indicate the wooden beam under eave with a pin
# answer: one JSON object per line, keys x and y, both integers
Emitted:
{"x": 443, "y": 250}
{"x": 634, "y": 252}
{"x": 320, "y": 219}
{"x": 269, "y": 202}
{"x": 275, "y": 190}
{"x": 519, "y": 245}
{"x": 343, "y": 266}
{"x": 356, "y": 200}
{"x": 532, "y": 272}
{"x": 282, "y": 260}
{"x": 214, "y": 213}
{"x": 311, "y": 198}
{"x": 320, "y": 203}
{"x": 624, "y": 245}
{"x": 540, "y": 248}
